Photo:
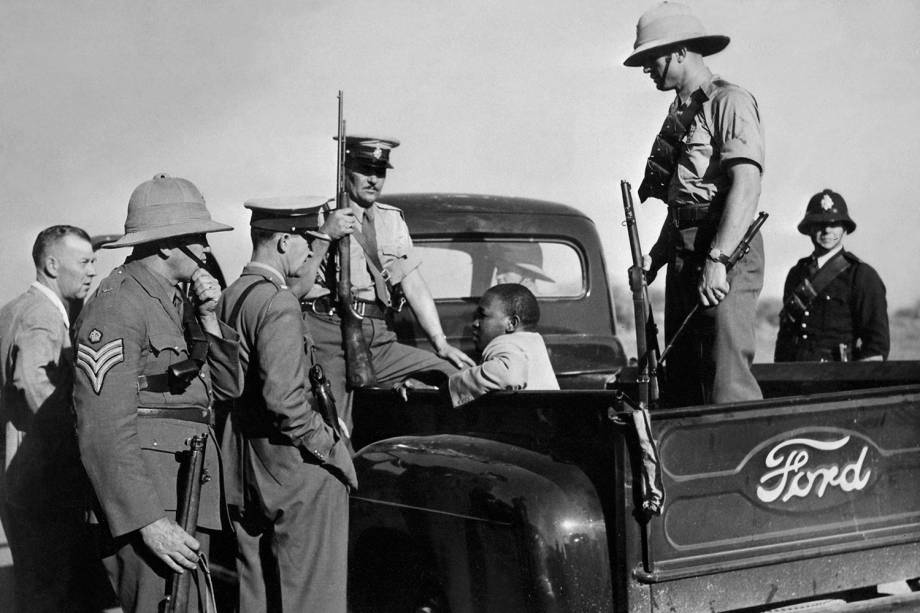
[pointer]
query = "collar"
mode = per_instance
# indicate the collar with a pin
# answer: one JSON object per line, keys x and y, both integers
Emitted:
{"x": 706, "y": 89}
{"x": 359, "y": 210}
{"x": 153, "y": 282}
{"x": 822, "y": 260}
{"x": 271, "y": 270}
{"x": 55, "y": 299}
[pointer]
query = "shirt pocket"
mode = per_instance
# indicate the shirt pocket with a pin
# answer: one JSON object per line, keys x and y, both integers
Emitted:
{"x": 167, "y": 348}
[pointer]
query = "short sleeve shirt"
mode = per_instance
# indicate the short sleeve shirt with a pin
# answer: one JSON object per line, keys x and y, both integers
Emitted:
{"x": 394, "y": 250}
{"x": 726, "y": 128}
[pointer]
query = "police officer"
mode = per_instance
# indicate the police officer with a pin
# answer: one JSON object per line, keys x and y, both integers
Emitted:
{"x": 287, "y": 472}
{"x": 150, "y": 358}
{"x": 706, "y": 165}
{"x": 382, "y": 260}
{"x": 834, "y": 306}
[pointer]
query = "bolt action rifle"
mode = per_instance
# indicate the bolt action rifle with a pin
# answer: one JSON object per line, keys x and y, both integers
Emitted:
{"x": 359, "y": 371}
{"x": 739, "y": 252}
{"x": 647, "y": 467}
{"x": 191, "y": 476}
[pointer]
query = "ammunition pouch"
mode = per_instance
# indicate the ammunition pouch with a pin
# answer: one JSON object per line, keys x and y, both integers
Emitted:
{"x": 667, "y": 148}
{"x": 802, "y": 296}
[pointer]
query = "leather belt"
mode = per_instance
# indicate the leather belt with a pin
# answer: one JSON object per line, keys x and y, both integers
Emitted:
{"x": 688, "y": 216}
{"x": 325, "y": 305}
{"x": 195, "y": 414}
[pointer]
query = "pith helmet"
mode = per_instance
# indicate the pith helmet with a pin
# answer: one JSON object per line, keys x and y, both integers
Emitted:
{"x": 826, "y": 207}
{"x": 670, "y": 23}
{"x": 526, "y": 256}
{"x": 164, "y": 207}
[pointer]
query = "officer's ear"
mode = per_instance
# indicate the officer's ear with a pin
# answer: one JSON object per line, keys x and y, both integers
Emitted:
{"x": 283, "y": 243}
{"x": 512, "y": 323}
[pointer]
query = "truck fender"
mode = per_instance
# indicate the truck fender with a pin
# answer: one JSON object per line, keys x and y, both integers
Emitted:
{"x": 459, "y": 523}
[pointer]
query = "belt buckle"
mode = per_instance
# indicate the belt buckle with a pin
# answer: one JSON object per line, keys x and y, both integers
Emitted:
{"x": 315, "y": 302}
{"x": 675, "y": 219}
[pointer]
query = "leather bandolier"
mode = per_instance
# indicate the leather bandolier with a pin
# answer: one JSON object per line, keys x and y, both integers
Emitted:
{"x": 808, "y": 289}
{"x": 667, "y": 149}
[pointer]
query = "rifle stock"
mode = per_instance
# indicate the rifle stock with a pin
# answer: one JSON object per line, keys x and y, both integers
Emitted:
{"x": 359, "y": 371}
{"x": 190, "y": 480}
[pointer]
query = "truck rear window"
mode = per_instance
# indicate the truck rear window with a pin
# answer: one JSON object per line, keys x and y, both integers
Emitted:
{"x": 457, "y": 269}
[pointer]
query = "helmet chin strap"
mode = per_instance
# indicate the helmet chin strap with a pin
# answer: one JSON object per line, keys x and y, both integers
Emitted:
{"x": 667, "y": 67}
{"x": 201, "y": 263}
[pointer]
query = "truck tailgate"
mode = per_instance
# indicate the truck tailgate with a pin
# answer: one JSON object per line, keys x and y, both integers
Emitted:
{"x": 791, "y": 497}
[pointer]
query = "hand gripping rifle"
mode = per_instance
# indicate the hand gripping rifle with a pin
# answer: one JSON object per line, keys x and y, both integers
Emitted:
{"x": 359, "y": 371}
{"x": 740, "y": 251}
{"x": 191, "y": 477}
{"x": 647, "y": 467}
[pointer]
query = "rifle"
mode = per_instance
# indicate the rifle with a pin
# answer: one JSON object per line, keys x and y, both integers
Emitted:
{"x": 647, "y": 465}
{"x": 739, "y": 252}
{"x": 191, "y": 476}
{"x": 359, "y": 371}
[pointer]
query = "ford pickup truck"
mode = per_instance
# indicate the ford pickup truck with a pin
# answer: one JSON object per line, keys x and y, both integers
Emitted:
{"x": 529, "y": 501}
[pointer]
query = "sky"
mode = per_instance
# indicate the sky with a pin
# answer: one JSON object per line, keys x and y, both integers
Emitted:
{"x": 518, "y": 97}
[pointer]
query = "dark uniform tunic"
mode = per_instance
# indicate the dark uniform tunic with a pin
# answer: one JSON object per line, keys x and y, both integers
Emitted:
{"x": 130, "y": 428}
{"x": 851, "y": 310}
{"x": 286, "y": 473}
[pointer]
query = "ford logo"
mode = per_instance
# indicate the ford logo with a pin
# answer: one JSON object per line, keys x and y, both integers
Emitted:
{"x": 814, "y": 469}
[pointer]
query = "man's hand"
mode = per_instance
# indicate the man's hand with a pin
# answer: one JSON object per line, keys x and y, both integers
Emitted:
{"x": 207, "y": 292}
{"x": 451, "y": 353}
{"x": 402, "y": 388}
{"x": 339, "y": 223}
{"x": 169, "y": 542}
{"x": 713, "y": 286}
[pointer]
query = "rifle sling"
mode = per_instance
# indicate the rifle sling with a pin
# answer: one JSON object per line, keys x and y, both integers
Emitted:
{"x": 809, "y": 288}
{"x": 381, "y": 276}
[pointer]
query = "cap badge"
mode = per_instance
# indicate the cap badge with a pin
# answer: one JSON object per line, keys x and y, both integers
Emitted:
{"x": 826, "y": 203}
{"x": 377, "y": 153}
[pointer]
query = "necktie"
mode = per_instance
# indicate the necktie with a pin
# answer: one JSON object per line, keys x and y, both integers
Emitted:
{"x": 370, "y": 237}
{"x": 370, "y": 232}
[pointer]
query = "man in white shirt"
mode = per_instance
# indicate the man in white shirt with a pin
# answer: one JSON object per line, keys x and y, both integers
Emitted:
{"x": 514, "y": 356}
{"x": 45, "y": 491}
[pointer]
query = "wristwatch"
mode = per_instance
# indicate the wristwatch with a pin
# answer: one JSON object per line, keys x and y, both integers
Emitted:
{"x": 715, "y": 255}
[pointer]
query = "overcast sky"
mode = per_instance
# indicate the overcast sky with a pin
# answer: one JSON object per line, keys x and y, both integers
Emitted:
{"x": 517, "y": 97}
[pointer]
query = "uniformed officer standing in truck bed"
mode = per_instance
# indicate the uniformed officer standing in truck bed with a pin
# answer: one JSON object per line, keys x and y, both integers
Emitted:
{"x": 149, "y": 362}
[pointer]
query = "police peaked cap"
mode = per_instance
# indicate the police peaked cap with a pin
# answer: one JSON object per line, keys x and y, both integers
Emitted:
{"x": 826, "y": 207}
{"x": 369, "y": 150}
{"x": 294, "y": 214}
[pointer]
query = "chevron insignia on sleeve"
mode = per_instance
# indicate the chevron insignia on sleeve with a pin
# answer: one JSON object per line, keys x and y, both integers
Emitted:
{"x": 96, "y": 363}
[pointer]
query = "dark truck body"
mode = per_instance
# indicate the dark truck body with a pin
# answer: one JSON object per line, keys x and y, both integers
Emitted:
{"x": 524, "y": 501}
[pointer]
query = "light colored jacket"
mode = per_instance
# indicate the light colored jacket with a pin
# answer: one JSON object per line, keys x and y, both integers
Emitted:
{"x": 514, "y": 361}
